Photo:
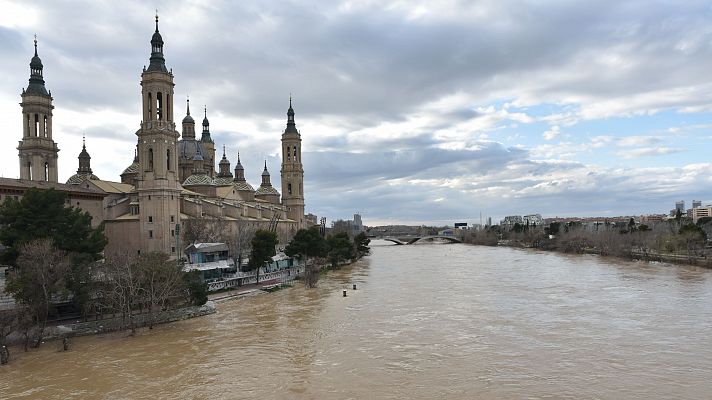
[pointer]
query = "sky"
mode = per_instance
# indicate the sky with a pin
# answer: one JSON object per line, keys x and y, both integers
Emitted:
{"x": 414, "y": 112}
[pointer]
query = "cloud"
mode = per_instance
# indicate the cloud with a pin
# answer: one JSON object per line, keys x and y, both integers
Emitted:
{"x": 650, "y": 151}
{"x": 411, "y": 111}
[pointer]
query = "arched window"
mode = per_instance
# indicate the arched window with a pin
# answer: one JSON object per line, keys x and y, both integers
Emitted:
{"x": 150, "y": 107}
{"x": 29, "y": 170}
{"x": 289, "y": 188}
{"x": 150, "y": 159}
{"x": 28, "y": 126}
{"x": 289, "y": 157}
{"x": 159, "y": 106}
{"x": 45, "y": 126}
{"x": 295, "y": 153}
{"x": 37, "y": 125}
{"x": 168, "y": 159}
{"x": 168, "y": 107}
{"x": 46, "y": 171}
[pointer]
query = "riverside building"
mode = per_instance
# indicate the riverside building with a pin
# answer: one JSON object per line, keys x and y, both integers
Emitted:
{"x": 172, "y": 179}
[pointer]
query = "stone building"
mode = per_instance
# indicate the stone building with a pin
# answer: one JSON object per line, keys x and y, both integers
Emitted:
{"x": 172, "y": 180}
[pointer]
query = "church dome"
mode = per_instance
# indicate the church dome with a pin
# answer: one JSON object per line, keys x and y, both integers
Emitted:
{"x": 199, "y": 179}
{"x": 266, "y": 190}
{"x": 242, "y": 186}
{"x": 76, "y": 179}
{"x": 223, "y": 181}
{"x": 132, "y": 169}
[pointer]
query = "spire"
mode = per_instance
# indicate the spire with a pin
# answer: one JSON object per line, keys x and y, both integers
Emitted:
{"x": 224, "y": 171}
{"x": 188, "y": 119}
{"x": 158, "y": 63}
{"x": 239, "y": 170}
{"x": 206, "y": 127}
{"x": 291, "y": 126}
{"x": 265, "y": 172}
{"x": 37, "y": 83}
{"x": 84, "y": 159}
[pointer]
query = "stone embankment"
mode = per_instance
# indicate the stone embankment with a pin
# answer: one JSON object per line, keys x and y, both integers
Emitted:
{"x": 117, "y": 324}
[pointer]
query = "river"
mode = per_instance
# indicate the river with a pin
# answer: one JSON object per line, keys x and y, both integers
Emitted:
{"x": 426, "y": 321}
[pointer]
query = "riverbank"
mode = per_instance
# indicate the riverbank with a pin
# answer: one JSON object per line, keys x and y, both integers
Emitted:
{"x": 630, "y": 255}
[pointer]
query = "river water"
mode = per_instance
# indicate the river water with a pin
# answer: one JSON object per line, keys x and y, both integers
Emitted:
{"x": 426, "y": 322}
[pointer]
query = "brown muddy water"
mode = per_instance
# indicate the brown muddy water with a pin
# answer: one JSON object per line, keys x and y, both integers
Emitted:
{"x": 427, "y": 322}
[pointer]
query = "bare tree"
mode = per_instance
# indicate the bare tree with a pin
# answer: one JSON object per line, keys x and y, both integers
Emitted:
{"x": 161, "y": 281}
{"x": 39, "y": 275}
{"x": 9, "y": 322}
{"x": 205, "y": 229}
{"x": 122, "y": 289}
{"x": 239, "y": 243}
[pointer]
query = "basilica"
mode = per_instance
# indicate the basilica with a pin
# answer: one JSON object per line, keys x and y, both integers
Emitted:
{"x": 172, "y": 181}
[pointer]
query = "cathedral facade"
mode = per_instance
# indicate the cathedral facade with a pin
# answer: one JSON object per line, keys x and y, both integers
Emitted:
{"x": 172, "y": 181}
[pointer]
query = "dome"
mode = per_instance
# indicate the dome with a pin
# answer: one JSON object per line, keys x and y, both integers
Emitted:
{"x": 242, "y": 186}
{"x": 188, "y": 119}
{"x": 266, "y": 190}
{"x": 199, "y": 179}
{"x": 157, "y": 37}
{"x": 132, "y": 169}
{"x": 223, "y": 181}
{"x": 76, "y": 179}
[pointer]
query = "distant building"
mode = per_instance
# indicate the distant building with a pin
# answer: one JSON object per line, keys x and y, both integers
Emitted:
{"x": 701, "y": 212}
{"x": 510, "y": 220}
{"x": 696, "y": 203}
{"x": 533, "y": 220}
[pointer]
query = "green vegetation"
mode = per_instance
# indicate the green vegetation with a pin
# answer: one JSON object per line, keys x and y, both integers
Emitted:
{"x": 263, "y": 249}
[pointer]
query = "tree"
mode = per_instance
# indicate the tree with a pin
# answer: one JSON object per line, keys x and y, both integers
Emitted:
{"x": 9, "y": 321}
{"x": 205, "y": 229}
{"x": 43, "y": 214}
{"x": 340, "y": 248}
{"x": 692, "y": 238}
{"x": 361, "y": 244}
{"x": 308, "y": 243}
{"x": 239, "y": 243}
{"x": 122, "y": 286}
{"x": 40, "y": 275}
{"x": 161, "y": 280}
{"x": 263, "y": 249}
{"x": 197, "y": 288}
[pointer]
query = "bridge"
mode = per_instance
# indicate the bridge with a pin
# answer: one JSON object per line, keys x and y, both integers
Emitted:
{"x": 416, "y": 239}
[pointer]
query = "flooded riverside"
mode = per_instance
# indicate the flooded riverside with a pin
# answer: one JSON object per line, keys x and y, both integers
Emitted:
{"x": 426, "y": 321}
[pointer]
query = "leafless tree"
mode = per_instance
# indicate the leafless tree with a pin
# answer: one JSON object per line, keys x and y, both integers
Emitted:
{"x": 204, "y": 229}
{"x": 161, "y": 280}
{"x": 239, "y": 242}
{"x": 39, "y": 276}
{"x": 122, "y": 289}
{"x": 9, "y": 322}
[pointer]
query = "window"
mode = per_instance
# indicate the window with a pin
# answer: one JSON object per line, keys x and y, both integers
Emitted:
{"x": 28, "y": 125}
{"x": 173, "y": 233}
{"x": 149, "y": 197}
{"x": 46, "y": 172}
{"x": 150, "y": 219}
{"x": 168, "y": 159}
{"x": 289, "y": 188}
{"x": 289, "y": 157}
{"x": 159, "y": 106}
{"x": 45, "y": 126}
{"x": 150, "y": 159}
{"x": 173, "y": 218}
{"x": 173, "y": 249}
{"x": 150, "y": 106}
{"x": 150, "y": 234}
{"x": 37, "y": 125}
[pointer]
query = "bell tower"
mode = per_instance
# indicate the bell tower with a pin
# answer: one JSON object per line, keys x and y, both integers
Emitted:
{"x": 37, "y": 150}
{"x": 158, "y": 188}
{"x": 292, "y": 171}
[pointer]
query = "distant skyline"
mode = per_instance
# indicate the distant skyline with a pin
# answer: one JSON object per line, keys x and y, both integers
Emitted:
{"x": 414, "y": 112}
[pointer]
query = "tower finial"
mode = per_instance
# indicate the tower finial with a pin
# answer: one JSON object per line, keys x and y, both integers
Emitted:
{"x": 224, "y": 152}
{"x": 205, "y": 108}
{"x": 265, "y": 165}
{"x": 238, "y": 156}
{"x": 188, "y": 105}
{"x": 156, "y": 20}
{"x": 35, "y": 45}
{"x": 84, "y": 142}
